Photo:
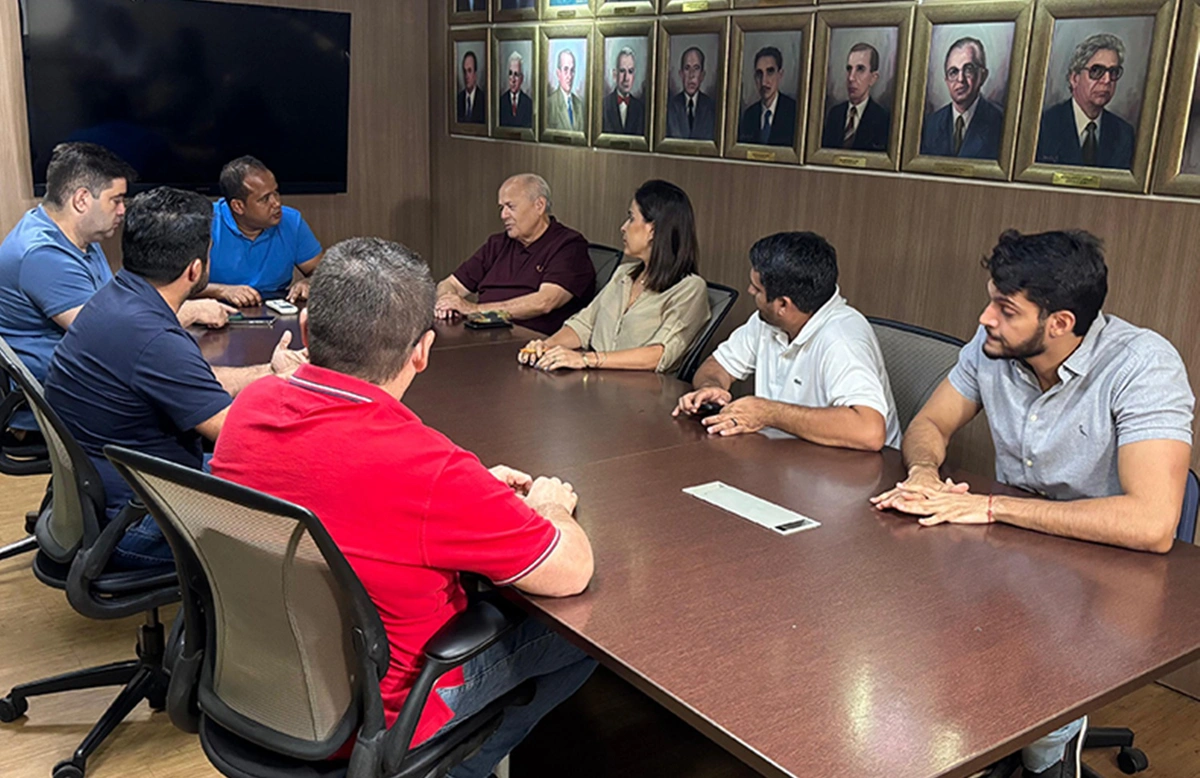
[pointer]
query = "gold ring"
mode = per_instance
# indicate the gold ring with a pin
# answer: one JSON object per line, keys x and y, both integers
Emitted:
{"x": 733, "y": 420}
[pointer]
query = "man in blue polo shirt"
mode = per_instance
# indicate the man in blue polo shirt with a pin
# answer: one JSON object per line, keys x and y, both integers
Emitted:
{"x": 127, "y": 373}
{"x": 51, "y": 262}
{"x": 256, "y": 240}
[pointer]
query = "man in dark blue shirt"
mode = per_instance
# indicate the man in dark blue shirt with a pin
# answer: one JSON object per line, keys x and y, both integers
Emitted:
{"x": 127, "y": 373}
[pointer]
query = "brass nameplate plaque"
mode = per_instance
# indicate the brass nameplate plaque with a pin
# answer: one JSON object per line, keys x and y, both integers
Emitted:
{"x": 1086, "y": 180}
{"x": 761, "y": 156}
{"x": 620, "y": 144}
{"x": 625, "y": 10}
{"x": 951, "y": 169}
{"x": 850, "y": 161}
{"x": 695, "y": 5}
{"x": 566, "y": 14}
{"x": 567, "y": 139}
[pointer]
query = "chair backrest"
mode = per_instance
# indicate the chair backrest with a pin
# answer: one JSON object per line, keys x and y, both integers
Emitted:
{"x": 77, "y": 488}
{"x": 605, "y": 259}
{"x": 1186, "y": 530}
{"x": 290, "y": 638}
{"x": 916, "y": 360}
{"x": 720, "y": 301}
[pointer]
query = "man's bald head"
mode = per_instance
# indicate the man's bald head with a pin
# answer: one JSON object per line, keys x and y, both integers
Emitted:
{"x": 525, "y": 206}
{"x": 531, "y": 185}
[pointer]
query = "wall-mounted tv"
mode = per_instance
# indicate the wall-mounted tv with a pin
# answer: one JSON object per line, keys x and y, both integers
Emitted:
{"x": 180, "y": 87}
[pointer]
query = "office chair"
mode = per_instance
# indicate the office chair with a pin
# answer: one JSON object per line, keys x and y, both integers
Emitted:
{"x": 73, "y": 552}
{"x": 1129, "y": 758}
{"x": 605, "y": 259}
{"x": 19, "y": 457}
{"x": 283, "y": 650}
{"x": 720, "y": 301}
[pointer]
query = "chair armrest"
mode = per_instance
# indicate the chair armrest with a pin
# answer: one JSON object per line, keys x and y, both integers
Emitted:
{"x": 95, "y": 558}
{"x": 463, "y": 637}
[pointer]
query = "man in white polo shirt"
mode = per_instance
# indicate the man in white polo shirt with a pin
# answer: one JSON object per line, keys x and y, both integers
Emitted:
{"x": 818, "y": 371}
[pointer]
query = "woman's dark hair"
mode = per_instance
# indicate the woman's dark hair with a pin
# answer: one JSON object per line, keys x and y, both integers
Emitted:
{"x": 673, "y": 251}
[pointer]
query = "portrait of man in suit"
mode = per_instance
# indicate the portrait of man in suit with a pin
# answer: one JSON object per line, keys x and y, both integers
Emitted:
{"x": 1081, "y": 130}
{"x": 859, "y": 123}
{"x": 692, "y": 114}
{"x": 471, "y": 102}
{"x": 970, "y": 125}
{"x": 771, "y": 120}
{"x": 564, "y": 109}
{"x": 623, "y": 113}
{"x": 516, "y": 107}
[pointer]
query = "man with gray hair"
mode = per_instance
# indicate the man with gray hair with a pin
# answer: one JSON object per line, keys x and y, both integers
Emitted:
{"x": 407, "y": 507}
{"x": 969, "y": 126}
{"x": 516, "y": 107}
{"x": 537, "y": 271}
{"x": 1081, "y": 130}
{"x": 564, "y": 109}
{"x": 623, "y": 113}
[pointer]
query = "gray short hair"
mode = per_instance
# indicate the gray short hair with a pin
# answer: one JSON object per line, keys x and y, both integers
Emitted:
{"x": 567, "y": 52}
{"x": 1089, "y": 46}
{"x": 626, "y": 51}
{"x": 533, "y": 184}
{"x": 516, "y": 57}
{"x": 962, "y": 43}
{"x": 371, "y": 300}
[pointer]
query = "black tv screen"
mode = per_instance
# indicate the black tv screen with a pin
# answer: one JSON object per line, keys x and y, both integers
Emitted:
{"x": 180, "y": 87}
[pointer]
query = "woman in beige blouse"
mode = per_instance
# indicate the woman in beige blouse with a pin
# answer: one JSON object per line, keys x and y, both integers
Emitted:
{"x": 650, "y": 312}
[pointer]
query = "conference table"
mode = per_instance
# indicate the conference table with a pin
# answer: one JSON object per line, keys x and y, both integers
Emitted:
{"x": 867, "y": 646}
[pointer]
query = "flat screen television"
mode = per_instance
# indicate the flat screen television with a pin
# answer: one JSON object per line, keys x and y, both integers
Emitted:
{"x": 180, "y": 87}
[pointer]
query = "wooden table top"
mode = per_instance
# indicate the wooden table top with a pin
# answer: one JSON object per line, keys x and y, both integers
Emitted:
{"x": 869, "y": 646}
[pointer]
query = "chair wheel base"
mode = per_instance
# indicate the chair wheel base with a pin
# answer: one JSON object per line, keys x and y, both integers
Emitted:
{"x": 11, "y": 710}
{"x": 1132, "y": 760}
{"x": 67, "y": 769}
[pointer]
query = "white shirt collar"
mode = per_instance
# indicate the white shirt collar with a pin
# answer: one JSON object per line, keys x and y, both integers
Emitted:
{"x": 814, "y": 324}
{"x": 771, "y": 107}
{"x": 860, "y": 106}
{"x": 966, "y": 115}
{"x": 470, "y": 94}
{"x": 1081, "y": 122}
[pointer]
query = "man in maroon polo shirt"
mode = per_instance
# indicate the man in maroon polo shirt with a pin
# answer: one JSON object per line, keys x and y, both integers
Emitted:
{"x": 407, "y": 507}
{"x": 537, "y": 271}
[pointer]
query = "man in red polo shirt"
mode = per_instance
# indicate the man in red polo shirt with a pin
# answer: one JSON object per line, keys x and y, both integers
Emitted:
{"x": 537, "y": 271}
{"x": 407, "y": 507}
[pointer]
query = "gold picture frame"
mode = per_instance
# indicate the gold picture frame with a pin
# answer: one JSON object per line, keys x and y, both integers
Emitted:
{"x": 479, "y": 15}
{"x": 920, "y": 154}
{"x": 456, "y": 56}
{"x": 552, "y": 117}
{"x": 668, "y": 119}
{"x": 502, "y": 125}
{"x": 780, "y": 4}
{"x": 527, "y": 12}
{"x": 692, "y": 6}
{"x": 1177, "y": 164}
{"x": 875, "y": 155}
{"x": 1035, "y": 160}
{"x": 737, "y": 144}
{"x": 605, "y": 30}
{"x": 623, "y": 8}
{"x": 576, "y": 10}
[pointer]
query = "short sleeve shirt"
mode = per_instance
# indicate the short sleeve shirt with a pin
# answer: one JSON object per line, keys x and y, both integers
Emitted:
{"x": 127, "y": 374}
{"x": 407, "y": 507}
{"x": 504, "y": 268}
{"x": 266, "y": 262}
{"x": 1123, "y": 384}
{"x": 43, "y": 274}
{"x": 835, "y": 361}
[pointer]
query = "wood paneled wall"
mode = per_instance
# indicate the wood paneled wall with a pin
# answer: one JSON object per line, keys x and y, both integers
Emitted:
{"x": 388, "y": 174}
{"x": 908, "y": 247}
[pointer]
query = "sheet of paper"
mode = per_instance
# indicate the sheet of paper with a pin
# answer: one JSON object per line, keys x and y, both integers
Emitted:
{"x": 752, "y": 508}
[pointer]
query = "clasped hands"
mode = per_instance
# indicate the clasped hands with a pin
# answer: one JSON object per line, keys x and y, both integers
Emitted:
{"x": 925, "y": 494}
{"x": 537, "y": 354}
{"x": 737, "y": 417}
{"x": 539, "y": 493}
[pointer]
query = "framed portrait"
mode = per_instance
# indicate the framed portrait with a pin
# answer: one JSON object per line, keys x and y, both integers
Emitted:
{"x": 690, "y": 105}
{"x": 514, "y": 10}
{"x": 623, "y": 84}
{"x": 1177, "y": 168}
{"x": 768, "y": 84}
{"x": 469, "y": 11}
{"x": 1093, "y": 91}
{"x": 771, "y": 3}
{"x": 965, "y": 88}
{"x": 567, "y": 9}
{"x": 860, "y": 74}
{"x": 692, "y": 6}
{"x": 515, "y": 83}
{"x": 565, "y": 49}
{"x": 468, "y": 69}
{"x": 626, "y": 7}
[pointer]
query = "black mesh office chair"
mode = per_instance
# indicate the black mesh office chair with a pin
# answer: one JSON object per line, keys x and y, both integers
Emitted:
{"x": 283, "y": 650}
{"x": 19, "y": 457}
{"x": 73, "y": 552}
{"x": 720, "y": 301}
{"x": 1131, "y": 759}
{"x": 605, "y": 259}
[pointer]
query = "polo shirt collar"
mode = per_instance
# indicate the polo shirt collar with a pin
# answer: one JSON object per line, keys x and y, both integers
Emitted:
{"x": 145, "y": 291}
{"x": 227, "y": 220}
{"x": 347, "y": 387}
{"x": 60, "y": 236}
{"x": 818, "y": 320}
{"x": 550, "y": 229}
{"x": 1082, "y": 359}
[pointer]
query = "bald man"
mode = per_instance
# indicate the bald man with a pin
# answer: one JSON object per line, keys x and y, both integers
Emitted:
{"x": 537, "y": 271}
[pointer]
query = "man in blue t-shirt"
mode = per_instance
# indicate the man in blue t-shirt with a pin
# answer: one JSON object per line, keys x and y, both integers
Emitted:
{"x": 256, "y": 240}
{"x": 127, "y": 373}
{"x": 51, "y": 262}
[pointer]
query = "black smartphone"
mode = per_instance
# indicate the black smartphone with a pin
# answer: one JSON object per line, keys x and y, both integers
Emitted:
{"x": 242, "y": 319}
{"x": 487, "y": 321}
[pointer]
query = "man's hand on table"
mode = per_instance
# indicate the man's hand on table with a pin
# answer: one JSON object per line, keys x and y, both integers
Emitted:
{"x": 516, "y": 480}
{"x": 206, "y": 313}
{"x": 549, "y": 493}
{"x": 923, "y": 481}
{"x": 691, "y": 402}
{"x": 240, "y": 295}
{"x": 451, "y": 305}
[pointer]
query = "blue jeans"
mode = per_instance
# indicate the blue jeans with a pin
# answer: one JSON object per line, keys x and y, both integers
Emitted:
{"x": 1040, "y": 754}
{"x": 529, "y": 651}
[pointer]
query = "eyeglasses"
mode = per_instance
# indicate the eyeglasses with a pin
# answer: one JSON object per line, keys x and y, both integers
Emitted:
{"x": 1096, "y": 72}
{"x": 515, "y": 74}
{"x": 970, "y": 71}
